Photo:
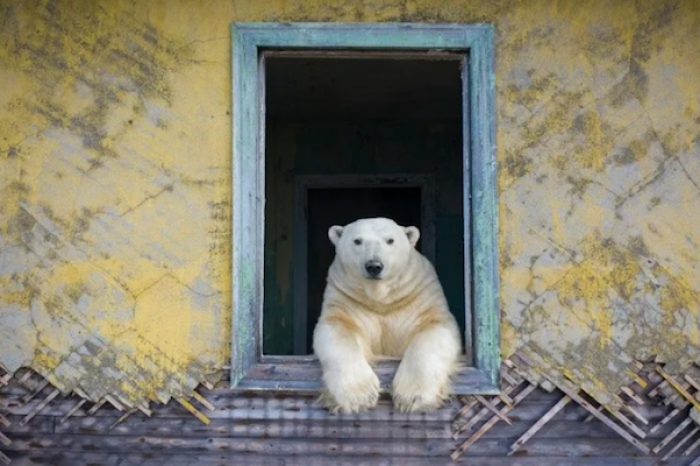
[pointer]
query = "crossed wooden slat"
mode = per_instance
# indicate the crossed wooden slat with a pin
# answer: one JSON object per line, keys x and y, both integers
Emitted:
{"x": 679, "y": 393}
{"x": 35, "y": 385}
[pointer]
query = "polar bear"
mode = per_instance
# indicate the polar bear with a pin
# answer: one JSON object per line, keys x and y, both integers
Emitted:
{"x": 383, "y": 298}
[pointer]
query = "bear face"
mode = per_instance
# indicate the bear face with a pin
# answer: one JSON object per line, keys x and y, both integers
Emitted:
{"x": 373, "y": 248}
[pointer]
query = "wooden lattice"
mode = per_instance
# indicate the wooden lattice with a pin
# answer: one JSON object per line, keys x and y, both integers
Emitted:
{"x": 34, "y": 385}
{"x": 522, "y": 374}
{"x": 651, "y": 386}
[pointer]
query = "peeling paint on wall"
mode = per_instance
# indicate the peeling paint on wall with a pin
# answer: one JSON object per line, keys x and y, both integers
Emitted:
{"x": 114, "y": 180}
{"x": 114, "y": 233}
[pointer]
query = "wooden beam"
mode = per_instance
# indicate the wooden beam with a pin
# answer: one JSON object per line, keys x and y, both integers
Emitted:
{"x": 683, "y": 441}
{"x": 491, "y": 422}
{"x": 586, "y": 405}
{"x": 561, "y": 404}
{"x": 684, "y": 393}
{"x": 72, "y": 411}
{"x": 188, "y": 406}
{"x": 674, "y": 433}
{"x": 495, "y": 410}
{"x": 665, "y": 420}
{"x": 40, "y": 406}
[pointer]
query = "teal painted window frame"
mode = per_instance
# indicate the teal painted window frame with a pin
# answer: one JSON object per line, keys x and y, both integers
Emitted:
{"x": 250, "y": 369}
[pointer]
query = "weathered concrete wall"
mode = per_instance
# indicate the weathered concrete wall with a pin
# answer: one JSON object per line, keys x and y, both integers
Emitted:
{"x": 114, "y": 182}
{"x": 114, "y": 140}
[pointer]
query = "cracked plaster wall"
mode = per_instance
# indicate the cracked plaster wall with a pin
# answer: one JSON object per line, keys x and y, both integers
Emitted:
{"x": 115, "y": 183}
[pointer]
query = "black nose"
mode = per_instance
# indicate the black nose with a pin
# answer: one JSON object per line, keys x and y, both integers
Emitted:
{"x": 374, "y": 268}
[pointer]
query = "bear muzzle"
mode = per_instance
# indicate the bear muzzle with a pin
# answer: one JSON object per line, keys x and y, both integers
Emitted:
{"x": 374, "y": 269}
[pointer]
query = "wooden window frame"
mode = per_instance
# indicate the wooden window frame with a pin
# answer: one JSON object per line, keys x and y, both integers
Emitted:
{"x": 251, "y": 370}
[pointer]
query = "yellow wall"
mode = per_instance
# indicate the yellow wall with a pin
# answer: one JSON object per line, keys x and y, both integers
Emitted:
{"x": 115, "y": 183}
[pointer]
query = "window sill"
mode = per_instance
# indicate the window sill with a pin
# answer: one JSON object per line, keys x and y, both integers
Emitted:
{"x": 302, "y": 374}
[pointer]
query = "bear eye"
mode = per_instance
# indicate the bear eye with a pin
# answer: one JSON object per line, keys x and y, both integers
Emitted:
{"x": 358, "y": 241}
{"x": 390, "y": 241}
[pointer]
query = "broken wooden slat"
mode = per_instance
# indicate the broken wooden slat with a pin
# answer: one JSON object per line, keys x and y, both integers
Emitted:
{"x": 539, "y": 424}
{"x": 188, "y": 406}
{"x": 674, "y": 433}
{"x": 25, "y": 377}
{"x": 4, "y": 421}
{"x": 491, "y": 422}
{"x": 655, "y": 391}
{"x": 81, "y": 393}
{"x": 466, "y": 408}
{"x": 506, "y": 399}
{"x": 680, "y": 444}
{"x": 30, "y": 396}
{"x": 665, "y": 420}
{"x": 72, "y": 411}
{"x": 505, "y": 375}
{"x": 675, "y": 398}
{"x": 636, "y": 398}
{"x": 471, "y": 422}
{"x": 203, "y": 401}
{"x": 4, "y": 440}
{"x": 526, "y": 367}
{"x": 40, "y": 406}
{"x": 4, "y": 459}
{"x": 626, "y": 422}
{"x": 639, "y": 380}
{"x": 95, "y": 407}
{"x": 586, "y": 405}
{"x": 684, "y": 393}
{"x": 477, "y": 417}
{"x": 693, "y": 382}
{"x": 122, "y": 418}
{"x": 114, "y": 402}
{"x": 493, "y": 409}
{"x": 144, "y": 409}
{"x": 636, "y": 414}
{"x": 523, "y": 373}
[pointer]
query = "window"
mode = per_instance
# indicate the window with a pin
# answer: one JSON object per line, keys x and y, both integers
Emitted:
{"x": 334, "y": 122}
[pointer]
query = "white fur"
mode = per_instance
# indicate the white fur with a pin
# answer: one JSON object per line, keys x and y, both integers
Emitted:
{"x": 403, "y": 314}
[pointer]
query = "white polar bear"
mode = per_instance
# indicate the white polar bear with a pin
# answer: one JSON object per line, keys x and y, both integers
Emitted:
{"x": 383, "y": 298}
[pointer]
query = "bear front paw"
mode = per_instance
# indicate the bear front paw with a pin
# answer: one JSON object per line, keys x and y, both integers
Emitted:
{"x": 416, "y": 392}
{"x": 351, "y": 390}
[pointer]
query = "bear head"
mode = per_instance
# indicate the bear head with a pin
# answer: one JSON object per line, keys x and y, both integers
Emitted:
{"x": 373, "y": 248}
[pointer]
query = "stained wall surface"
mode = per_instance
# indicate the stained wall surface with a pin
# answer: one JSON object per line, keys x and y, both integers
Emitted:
{"x": 115, "y": 183}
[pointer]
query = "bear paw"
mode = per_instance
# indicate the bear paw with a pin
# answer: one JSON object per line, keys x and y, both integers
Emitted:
{"x": 351, "y": 390}
{"x": 412, "y": 392}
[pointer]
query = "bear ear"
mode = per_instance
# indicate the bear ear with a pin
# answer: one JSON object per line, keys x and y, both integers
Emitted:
{"x": 413, "y": 235}
{"x": 334, "y": 234}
